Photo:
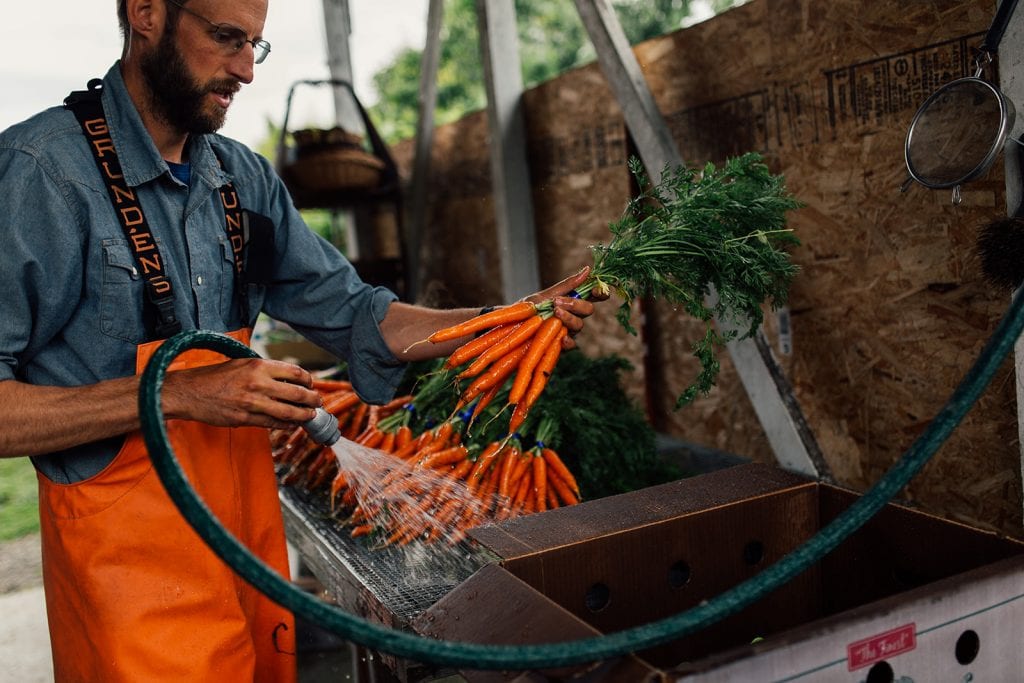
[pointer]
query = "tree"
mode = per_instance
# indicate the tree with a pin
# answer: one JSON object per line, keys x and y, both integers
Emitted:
{"x": 552, "y": 40}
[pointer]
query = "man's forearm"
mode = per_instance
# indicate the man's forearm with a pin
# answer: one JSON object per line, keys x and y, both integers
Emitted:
{"x": 40, "y": 419}
{"x": 405, "y": 327}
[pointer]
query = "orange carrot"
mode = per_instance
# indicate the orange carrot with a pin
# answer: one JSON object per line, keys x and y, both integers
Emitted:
{"x": 340, "y": 402}
{"x": 555, "y": 463}
{"x": 357, "y": 421}
{"x": 325, "y": 386}
{"x": 362, "y": 530}
{"x": 565, "y": 493}
{"x": 475, "y": 347}
{"x": 520, "y": 471}
{"x": 483, "y": 461}
{"x": 402, "y": 436}
{"x": 495, "y": 375}
{"x": 518, "y": 417}
{"x": 544, "y": 368}
{"x": 547, "y": 333}
{"x": 552, "y": 498}
{"x": 507, "y": 466}
{"x": 498, "y": 350}
{"x": 499, "y": 316}
{"x": 445, "y": 457}
{"x": 540, "y": 485}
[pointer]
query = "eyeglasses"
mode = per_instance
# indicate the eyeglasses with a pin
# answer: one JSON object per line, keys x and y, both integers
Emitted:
{"x": 230, "y": 38}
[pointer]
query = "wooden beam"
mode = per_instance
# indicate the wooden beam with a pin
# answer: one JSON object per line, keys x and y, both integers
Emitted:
{"x": 416, "y": 221}
{"x": 777, "y": 409}
{"x": 337, "y": 29}
{"x": 510, "y": 175}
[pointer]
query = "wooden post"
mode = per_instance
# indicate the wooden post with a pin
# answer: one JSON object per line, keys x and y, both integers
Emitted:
{"x": 424, "y": 142}
{"x": 337, "y": 28}
{"x": 510, "y": 175}
{"x": 791, "y": 441}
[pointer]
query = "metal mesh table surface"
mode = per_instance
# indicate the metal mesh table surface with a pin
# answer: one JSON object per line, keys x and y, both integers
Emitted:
{"x": 404, "y": 580}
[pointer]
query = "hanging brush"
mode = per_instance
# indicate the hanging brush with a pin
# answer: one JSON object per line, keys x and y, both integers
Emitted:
{"x": 1000, "y": 246}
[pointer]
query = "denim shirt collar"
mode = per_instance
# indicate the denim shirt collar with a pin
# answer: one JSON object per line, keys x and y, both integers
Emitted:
{"x": 141, "y": 161}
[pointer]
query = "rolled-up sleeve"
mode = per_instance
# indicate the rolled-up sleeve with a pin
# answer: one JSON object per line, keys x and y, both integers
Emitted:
{"x": 317, "y": 291}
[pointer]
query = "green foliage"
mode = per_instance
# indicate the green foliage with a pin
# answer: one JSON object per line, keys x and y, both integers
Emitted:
{"x": 552, "y": 40}
{"x": 19, "y": 504}
{"x": 720, "y": 230}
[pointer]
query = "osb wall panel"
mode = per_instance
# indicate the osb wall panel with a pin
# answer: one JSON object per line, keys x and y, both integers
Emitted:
{"x": 890, "y": 308}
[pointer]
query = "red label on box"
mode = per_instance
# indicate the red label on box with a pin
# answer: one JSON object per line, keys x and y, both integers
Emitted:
{"x": 883, "y": 646}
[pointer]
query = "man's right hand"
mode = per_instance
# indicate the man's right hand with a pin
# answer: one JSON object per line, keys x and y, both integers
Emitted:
{"x": 243, "y": 392}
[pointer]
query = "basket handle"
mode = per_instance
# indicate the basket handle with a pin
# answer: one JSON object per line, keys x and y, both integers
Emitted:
{"x": 380, "y": 150}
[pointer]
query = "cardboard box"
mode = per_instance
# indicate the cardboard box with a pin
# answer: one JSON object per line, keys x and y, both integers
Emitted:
{"x": 907, "y": 595}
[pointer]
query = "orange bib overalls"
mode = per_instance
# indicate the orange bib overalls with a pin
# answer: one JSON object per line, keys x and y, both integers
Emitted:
{"x": 134, "y": 594}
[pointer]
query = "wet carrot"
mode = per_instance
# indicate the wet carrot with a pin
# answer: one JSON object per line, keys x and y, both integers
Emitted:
{"x": 484, "y": 401}
{"x": 402, "y": 437}
{"x": 356, "y": 425}
{"x": 520, "y": 471}
{"x": 499, "y": 316}
{"x": 519, "y": 337}
{"x": 540, "y": 483}
{"x": 445, "y": 457}
{"x": 483, "y": 461}
{"x": 461, "y": 469}
{"x": 542, "y": 373}
{"x": 507, "y": 467}
{"x": 475, "y": 347}
{"x": 495, "y": 375}
{"x": 340, "y": 402}
{"x": 518, "y": 417}
{"x": 387, "y": 444}
{"x": 362, "y": 530}
{"x": 547, "y": 333}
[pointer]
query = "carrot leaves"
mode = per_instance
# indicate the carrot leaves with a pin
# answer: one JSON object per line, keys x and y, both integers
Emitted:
{"x": 713, "y": 243}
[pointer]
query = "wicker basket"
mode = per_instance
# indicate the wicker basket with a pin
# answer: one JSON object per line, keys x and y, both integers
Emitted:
{"x": 332, "y": 160}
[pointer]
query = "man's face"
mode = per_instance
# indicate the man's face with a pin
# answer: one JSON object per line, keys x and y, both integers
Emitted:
{"x": 191, "y": 80}
{"x": 177, "y": 96}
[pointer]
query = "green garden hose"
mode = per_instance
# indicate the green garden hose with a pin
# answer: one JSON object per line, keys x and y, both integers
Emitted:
{"x": 520, "y": 657}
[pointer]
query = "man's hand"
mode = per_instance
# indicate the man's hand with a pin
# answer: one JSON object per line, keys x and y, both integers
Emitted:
{"x": 569, "y": 309}
{"x": 243, "y": 392}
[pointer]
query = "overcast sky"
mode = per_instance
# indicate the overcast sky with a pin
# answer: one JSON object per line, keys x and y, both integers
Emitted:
{"x": 51, "y": 47}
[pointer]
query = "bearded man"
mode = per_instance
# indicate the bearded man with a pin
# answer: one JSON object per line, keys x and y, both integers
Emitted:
{"x": 121, "y": 227}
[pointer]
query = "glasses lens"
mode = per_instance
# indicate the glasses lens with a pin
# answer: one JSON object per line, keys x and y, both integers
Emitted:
{"x": 261, "y": 49}
{"x": 230, "y": 37}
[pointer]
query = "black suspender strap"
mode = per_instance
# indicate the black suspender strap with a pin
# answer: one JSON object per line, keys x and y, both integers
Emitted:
{"x": 159, "y": 299}
{"x": 234, "y": 226}
{"x": 161, "y": 321}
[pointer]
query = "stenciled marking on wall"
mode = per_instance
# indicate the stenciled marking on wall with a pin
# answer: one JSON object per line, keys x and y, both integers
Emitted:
{"x": 885, "y": 91}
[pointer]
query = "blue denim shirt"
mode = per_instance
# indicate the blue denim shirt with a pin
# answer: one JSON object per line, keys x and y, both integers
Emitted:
{"x": 71, "y": 295}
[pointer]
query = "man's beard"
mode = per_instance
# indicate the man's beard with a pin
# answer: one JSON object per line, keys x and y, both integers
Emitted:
{"x": 175, "y": 96}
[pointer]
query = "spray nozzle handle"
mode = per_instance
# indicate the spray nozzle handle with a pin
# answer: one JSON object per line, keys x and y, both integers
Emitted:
{"x": 323, "y": 428}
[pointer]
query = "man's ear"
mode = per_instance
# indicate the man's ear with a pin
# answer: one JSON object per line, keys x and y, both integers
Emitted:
{"x": 146, "y": 17}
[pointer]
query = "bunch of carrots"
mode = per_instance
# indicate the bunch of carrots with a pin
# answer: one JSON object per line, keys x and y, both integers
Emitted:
{"x": 435, "y": 485}
{"x": 697, "y": 233}
{"x": 522, "y": 342}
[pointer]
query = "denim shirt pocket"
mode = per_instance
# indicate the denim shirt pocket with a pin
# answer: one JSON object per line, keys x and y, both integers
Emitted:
{"x": 229, "y": 309}
{"x": 121, "y": 294}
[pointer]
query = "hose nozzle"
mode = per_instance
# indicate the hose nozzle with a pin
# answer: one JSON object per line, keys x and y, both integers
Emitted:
{"x": 323, "y": 428}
